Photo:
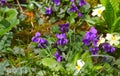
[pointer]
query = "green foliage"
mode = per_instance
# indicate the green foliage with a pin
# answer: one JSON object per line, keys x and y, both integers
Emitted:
{"x": 110, "y": 13}
{"x": 5, "y": 42}
{"x": 87, "y": 57}
{"x": 8, "y": 19}
{"x": 52, "y": 64}
{"x": 3, "y": 66}
{"x": 29, "y": 60}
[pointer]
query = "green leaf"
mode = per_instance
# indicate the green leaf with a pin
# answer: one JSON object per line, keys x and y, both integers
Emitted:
{"x": 11, "y": 14}
{"x": 76, "y": 58}
{"x": 41, "y": 73}
{"x": 74, "y": 15}
{"x": 86, "y": 57}
{"x": 98, "y": 67}
{"x": 52, "y": 64}
{"x": 117, "y": 62}
{"x": 3, "y": 31}
{"x": 3, "y": 66}
{"x": 70, "y": 67}
{"x": 4, "y": 24}
{"x": 115, "y": 24}
{"x": 71, "y": 20}
{"x": 110, "y": 13}
{"x": 115, "y": 5}
{"x": 9, "y": 19}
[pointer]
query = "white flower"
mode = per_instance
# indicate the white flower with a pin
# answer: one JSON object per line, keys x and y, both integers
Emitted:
{"x": 98, "y": 10}
{"x": 101, "y": 40}
{"x": 80, "y": 64}
{"x": 113, "y": 39}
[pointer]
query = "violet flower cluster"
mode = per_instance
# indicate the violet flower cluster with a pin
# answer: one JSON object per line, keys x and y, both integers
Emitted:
{"x": 61, "y": 39}
{"x": 64, "y": 27}
{"x": 91, "y": 40}
{"x": 90, "y": 36}
{"x": 71, "y": 0}
{"x": 82, "y": 3}
{"x": 56, "y": 2}
{"x": 74, "y": 8}
{"x": 108, "y": 48}
{"x": 58, "y": 56}
{"x": 3, "y": 2}
{"x": 48, "y": 10}
{"x": 40, "y": 41}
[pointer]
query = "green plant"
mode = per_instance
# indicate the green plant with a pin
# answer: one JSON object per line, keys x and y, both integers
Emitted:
{"x": 8, "y": 19}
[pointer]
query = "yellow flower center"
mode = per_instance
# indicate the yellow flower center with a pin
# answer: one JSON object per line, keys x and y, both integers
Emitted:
{"x": 78, "y": 67}
{"x": 113, "y": 37}
{"x": 99, "y": 41}
{"x": 99, "y": 11}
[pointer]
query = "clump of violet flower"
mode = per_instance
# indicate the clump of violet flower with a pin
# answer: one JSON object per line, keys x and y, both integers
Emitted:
{"x": 3, "y": 2}
{"x": 48, "y": 10}
{"x": 64, "y": 27}
{"x": 61, "y": 39}
{"x": 95, "y": 43}
{"x": 40, "y": 41}
{"x": 58, "y": 56}
{"x": 82, "y": 3}
{"x": 56, "y": 2}
{"x": 73, "y": 8}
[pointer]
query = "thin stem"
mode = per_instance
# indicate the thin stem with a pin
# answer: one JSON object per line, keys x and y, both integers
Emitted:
{"x": 19, "y": 6}
{"x": 104, "y": 56}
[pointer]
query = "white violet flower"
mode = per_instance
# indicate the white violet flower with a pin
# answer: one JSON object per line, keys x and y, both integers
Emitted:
{"x": 113, "y": 39}
{"x": 98, "y": 10}
{"x": 80, "y": 64}
{"x": 101, "y": 40}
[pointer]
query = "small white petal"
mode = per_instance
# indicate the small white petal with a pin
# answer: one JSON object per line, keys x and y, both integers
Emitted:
{"x": 113, "y": 39}
{"x": 98, "y": 10}
{"x": 108, "y": 36}
{"x": 80, "y": 63}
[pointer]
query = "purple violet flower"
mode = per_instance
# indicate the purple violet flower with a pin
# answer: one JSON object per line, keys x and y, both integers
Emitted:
{"x": 79, "y": 14}
{"x": 61, "y": 39}
{"x": 64, "y": 27}
{"x": 37, "y": 34}
{"x": 40, "y": 41}
{"x": 94, "y": 50}
{"x": 82, "y": 2}
{"x": 73, "y": 8}
{"x": 86, "y": 42}
{"x": 3, "y": 2}
{"x": 61, "y": 36}
{"x": 71, "y": 0}
{"x": 58, "y": 57}
{"x": 108, "y": 48}
{"x": 57, "y": 2}
{"x": 94, "y": 42}
{"x": 90, "y": 36}
{"x": 36, "y": 37}
{"x": 48, "y": 10}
